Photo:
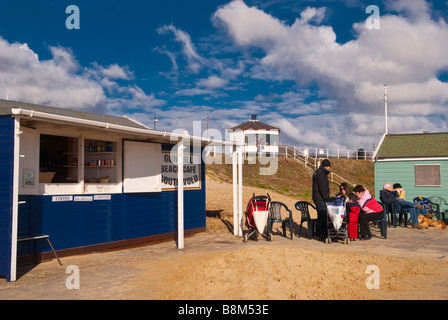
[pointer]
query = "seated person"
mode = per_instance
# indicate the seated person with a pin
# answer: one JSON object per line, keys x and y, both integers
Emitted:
{"x": 344, "y": 191}
{"x": 426, "y": 207}
{"x": 390, "y": 197}
{"x": 399, "y": 190}
{"x": 402, "y": 201}
{"x": 370, "y": 210}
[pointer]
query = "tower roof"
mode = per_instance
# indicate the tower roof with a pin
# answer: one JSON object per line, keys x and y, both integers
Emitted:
{"x": 254, "y": 124}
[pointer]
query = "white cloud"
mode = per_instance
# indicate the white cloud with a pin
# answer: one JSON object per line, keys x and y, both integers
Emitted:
{"x": 413, "y": 9}
{"x": 213, "y": 82}
{"x": 406, "y": 53}
{"x": 401, "y": 53}
{"x": 23, "y": 76}
{"x": 313, "y": 14}
{"x": 248, "y": 25}
{"x": 114, "y": 71}
{"x": 194, "y": 60}
{"x": 62, "y": 82}
{"x": 220, "y": 71}
{"x": 193, "y": 92}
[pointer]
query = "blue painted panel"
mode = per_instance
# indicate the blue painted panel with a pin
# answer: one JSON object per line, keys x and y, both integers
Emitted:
{"x": 145, "y": 214}
{"x": 126, "y": 216}
{"x": 6, "y": 183}
{"x": 74, "y": 224}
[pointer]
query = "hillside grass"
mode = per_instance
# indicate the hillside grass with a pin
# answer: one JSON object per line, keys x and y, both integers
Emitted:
{"x": 293, "y": 179}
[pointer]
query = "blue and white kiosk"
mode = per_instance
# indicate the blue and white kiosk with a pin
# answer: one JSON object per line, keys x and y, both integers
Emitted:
{"x": 91, "y": 182}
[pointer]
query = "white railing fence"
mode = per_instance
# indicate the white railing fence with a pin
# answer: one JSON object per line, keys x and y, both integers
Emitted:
{"x": 313, "y": 156}
{"x": 323, "y": 153}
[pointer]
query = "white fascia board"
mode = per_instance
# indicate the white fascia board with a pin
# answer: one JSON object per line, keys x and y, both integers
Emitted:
{"x": 116, "y": 127}
{"x": 412, "y": 159}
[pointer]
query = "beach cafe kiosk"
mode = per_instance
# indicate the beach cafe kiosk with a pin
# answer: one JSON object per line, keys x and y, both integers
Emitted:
{"x": 74, "y": 182}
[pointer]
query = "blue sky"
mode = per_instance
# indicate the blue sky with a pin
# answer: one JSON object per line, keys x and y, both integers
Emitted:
{"x": 311, "y": 68}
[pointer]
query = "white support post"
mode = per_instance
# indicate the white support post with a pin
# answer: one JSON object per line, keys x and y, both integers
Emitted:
{"x": 385, "y": 107}
{"x": 81, "y": 160}
{"x": 15, "y": 201}
{"x": 180, "y": 195}
{"x": 235, "y": 191}
{"x": 240, "y": 190}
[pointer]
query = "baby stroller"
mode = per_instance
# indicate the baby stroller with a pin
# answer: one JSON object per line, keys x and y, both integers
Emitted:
{"x": 336, "y": 221}
{"x": 257, "y": 213}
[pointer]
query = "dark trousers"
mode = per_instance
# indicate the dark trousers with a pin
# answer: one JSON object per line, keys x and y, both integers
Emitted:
{"x": 321, "y": 223}
{"x": 364, "y": 219}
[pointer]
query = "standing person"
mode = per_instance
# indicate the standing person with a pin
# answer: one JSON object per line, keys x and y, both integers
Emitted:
{"x": 321, "y": 195}
{"x": 370, "y": 210}
{"x": 353, "y": 210}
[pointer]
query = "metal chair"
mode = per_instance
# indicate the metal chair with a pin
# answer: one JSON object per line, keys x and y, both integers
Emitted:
{"x": 279, "y": 212}
{"x": 303, "y": 207}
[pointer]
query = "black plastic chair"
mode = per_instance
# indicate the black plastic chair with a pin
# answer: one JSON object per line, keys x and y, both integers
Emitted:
{"x": 303, "y": 207}
{"x": 382, "y": 224}
{"x": 391, "y": 215}
{"x": 400, "y": 217}
{"x": 437, "y": 202}
{"x": 279, "y": 212}
{"x": 395, "y": 217}
{"x": 435, "y": 207}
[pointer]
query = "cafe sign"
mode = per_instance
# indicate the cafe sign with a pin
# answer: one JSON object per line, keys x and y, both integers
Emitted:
{"x": 192, "y": 171}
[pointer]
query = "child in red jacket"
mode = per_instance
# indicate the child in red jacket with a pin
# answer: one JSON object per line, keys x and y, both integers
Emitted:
{"x": 353, "y": 209}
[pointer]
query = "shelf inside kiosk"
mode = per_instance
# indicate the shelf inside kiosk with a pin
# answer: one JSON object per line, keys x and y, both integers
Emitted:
{"x": 100, "y": 161}
{"x": 58, "y": 159}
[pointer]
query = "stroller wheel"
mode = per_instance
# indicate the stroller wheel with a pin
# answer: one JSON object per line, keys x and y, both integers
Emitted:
{"x": 245, "y": 237}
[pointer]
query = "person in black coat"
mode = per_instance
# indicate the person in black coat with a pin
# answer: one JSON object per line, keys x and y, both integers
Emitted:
{"x": 321, "y": 195}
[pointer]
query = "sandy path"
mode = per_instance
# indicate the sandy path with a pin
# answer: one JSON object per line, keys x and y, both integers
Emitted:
{"x": 217, "y": 265}
{"x": 282, "y": 269}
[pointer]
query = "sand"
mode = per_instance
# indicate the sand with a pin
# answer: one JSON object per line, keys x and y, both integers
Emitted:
{"x": 216, "y": 265}
{"x": 283, "y": 269}
{"x": 269, "y": 273}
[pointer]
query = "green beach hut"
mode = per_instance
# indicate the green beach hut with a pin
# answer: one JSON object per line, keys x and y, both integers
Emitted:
{"x": 419, "y": 162}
